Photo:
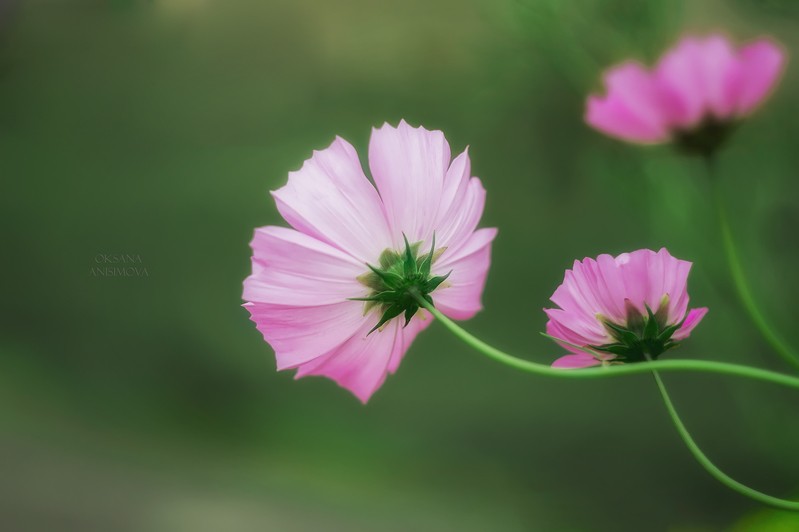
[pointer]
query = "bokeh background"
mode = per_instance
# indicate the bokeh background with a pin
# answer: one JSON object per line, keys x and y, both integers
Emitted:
{"x": 151, "y": 403}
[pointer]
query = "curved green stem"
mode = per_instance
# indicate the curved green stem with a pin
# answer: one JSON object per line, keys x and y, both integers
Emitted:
{"x": 739, "y": 279}
{"x": 710, "y": 467}
{"x": 702, "y": 366}
{"x": 642, "y": 367}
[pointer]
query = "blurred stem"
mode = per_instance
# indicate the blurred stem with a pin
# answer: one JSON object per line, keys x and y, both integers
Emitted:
{"x": 739, "y": 279}
{"x": 710, "y": 467}
{"x": 702, "y": 366}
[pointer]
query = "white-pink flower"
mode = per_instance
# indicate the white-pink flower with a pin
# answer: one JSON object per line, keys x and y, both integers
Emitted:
{"x": 300, "y": 294}
{"x": 698, "y": 86}
{"x": 622, "y": 309}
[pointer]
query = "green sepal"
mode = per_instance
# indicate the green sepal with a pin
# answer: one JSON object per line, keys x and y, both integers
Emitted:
{"x": 662, "y": 315}
{"x": 370, "y": 280}
{"x": 427, "y": 261}
{"x": 642, "y": 337}
{"x": 388, "y": 258}
{"x": 434, "y": 283}
{"x": 392, "y": 312}
{"x": 651, "y": 327}
{"x": 635, "y": 321}
{"x": 666, "y": 333}
{"x": 409, "y": 312}
{"x": 391, "y": 279}
{"x": 616, "y": 349}
{"x": 625, "y": 336}
{"x": 400, "y": 280}
{"x": 408, "y": 260}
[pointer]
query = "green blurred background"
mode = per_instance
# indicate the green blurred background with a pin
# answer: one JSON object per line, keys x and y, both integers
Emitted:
{"x": 151, "y": 403}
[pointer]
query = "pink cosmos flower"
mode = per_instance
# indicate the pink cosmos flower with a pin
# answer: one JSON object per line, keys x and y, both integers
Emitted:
{"x": 337, "y": 294}
{"x": 695, "y": 90}
{"x": 622, "y": 309}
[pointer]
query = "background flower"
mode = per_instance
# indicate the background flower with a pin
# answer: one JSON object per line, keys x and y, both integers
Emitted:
{"x": 304, "y": 279}
{"x": 625, "y": 308}
{"x": 697, "y": 87}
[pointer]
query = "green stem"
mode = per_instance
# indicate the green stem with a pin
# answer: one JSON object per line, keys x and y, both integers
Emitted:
{"x": 710, "y": 467}
{"x": 702, "y": 366}
{"x": 652, "y": 366}
{"x": 739, "y": 279}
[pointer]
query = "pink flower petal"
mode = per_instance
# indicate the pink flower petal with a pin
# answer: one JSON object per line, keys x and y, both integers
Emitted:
{"x": 362, "y": 363}
{"x": 576, "y": 327}
{"x": 408, "y": 165}
{"x": 761, "y": 65}
{"x": 682, "y": 78}
{"x": 702, "y": 73}
{"x": 588, "y": 280}
{"x": 691, "y": 320}
{"x": 461, "y": 205}
{"x": 301, "y": 334}
{"x": 610, "y": 287}
{"x": 675, "y": 284}
{"x": 331, "y": 199}
{"x": 631, "y": 109}
{"x": 459, "y": 296}
{"x": 403, "y": 341}
{"x": 291, "y": 268}
{"x": 582, "y": 360}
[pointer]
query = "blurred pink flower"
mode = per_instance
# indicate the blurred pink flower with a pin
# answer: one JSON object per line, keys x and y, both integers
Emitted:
{"x": 622, "y": 309}
{"x": 348, "y": 241}
{"x": 695, "y": 89}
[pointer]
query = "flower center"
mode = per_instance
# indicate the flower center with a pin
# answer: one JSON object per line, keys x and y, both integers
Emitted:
{"x": 643, "y": 336}
{"x": 704, "y": 138}
{"x": 400, "y": 281}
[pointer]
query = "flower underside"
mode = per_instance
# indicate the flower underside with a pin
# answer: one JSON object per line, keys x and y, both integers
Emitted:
{"x": 705, "y": 138}
{"x": 643, "y": 336}
{"x": 400, "y": 280}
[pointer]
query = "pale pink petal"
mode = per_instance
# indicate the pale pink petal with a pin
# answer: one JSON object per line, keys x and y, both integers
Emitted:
{"x": 453, "y": 189}
{"x": 461, "y": 220}
{"x": 408, "y": 166}
{"x": 761, "y": 65}
{"x": 681, "y": 79}
{"x": 570, "y": 297}
{"x": 291, "y": 268}
{"x": 331, "y": 199}
{"x": 361, "y": 363}
{"x": 651, "y": 269}
{"x": 461, "y": 205}
{"x": 611, "y": 288}
{"x": 691, "y": 320}
{"x": 301, "y": 334}
{"x": 406, "y": 336}
{"x": 581, "y": 360}
{"x": 576, "y": 328}
{"x": 459, "y": 296}
{"x": 587, "y": 280}
{"x": 718, "y": 73}
{"x": 631, "y": 109}
{"x": 698, "y": 78}
{"x": 675, "y": 284}
{"x": 634, "y": 268}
